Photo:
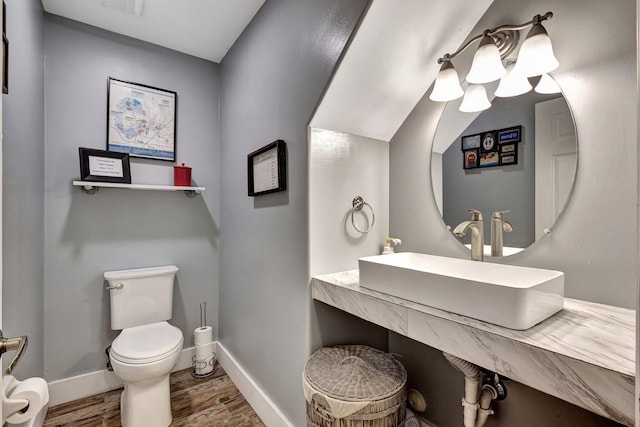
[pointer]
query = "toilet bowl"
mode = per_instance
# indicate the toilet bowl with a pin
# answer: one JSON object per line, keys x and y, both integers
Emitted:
{"x": 143, "y": 357}
{"x": 147, "y": 348}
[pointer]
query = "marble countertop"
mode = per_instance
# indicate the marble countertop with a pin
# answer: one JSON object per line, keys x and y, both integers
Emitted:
{"x": 585, "y": 354}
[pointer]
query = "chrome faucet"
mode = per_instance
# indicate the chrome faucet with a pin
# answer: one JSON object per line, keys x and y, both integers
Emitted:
{"x": 477, "y": 234}
{"x": 498, "y": 225}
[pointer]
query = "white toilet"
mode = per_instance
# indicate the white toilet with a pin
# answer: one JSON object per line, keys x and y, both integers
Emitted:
{"x": 148, "y": 347}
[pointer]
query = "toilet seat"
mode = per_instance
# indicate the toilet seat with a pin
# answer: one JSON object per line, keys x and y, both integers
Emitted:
{"x": 146, "y": 343}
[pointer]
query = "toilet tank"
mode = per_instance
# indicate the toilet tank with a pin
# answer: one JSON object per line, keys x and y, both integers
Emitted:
{"x": 146, "y": 295}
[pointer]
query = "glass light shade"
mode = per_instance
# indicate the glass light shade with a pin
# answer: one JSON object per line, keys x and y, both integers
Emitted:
{"x": 513, "y": 84}
{"x": 475, "y": 99}
{"x": 487, "y": 64}
{"x": 536, "y": 54}
{"x": 547, "y": 85}
{"x": 447, "y": 86}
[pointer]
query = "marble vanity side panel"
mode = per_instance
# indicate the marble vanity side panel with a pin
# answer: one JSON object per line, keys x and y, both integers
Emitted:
{"x": 385, "y": 314}
{"x": 601, "y": 391}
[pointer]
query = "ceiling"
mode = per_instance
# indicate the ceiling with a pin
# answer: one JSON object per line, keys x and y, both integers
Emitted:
{"x": 203, "y": 28}
{"x": 391, "y": 62}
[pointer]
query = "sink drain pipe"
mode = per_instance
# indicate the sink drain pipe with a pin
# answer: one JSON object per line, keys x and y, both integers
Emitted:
{"x": 477, "y": 408}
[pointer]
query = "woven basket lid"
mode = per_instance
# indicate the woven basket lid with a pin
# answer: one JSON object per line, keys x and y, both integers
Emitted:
{"x": 355, "y": 373}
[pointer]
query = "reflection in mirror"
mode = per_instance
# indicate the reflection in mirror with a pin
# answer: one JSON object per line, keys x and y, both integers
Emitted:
{"x": 534, "y": 185}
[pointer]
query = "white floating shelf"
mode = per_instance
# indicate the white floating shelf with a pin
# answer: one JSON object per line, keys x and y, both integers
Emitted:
{"x": 91, "y": 187}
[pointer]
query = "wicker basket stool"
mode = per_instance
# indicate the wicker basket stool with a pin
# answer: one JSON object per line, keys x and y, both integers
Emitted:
{"x": 354, "y": 386}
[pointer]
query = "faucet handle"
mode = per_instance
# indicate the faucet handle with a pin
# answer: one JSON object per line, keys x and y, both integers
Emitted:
{"x": 476, "y": 215}
{"x": 498, "y": 214}
{"x": 507, "y": 227}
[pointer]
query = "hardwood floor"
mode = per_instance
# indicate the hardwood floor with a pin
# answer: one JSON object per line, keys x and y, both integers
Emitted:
{"x": 210, "y": 402}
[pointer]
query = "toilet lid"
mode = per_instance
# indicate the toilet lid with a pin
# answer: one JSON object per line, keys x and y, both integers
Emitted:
{"x": 147, "y": 343}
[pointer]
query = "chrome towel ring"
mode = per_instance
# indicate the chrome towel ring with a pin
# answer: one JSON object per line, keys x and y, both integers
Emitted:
{"x": 359, "y": 203}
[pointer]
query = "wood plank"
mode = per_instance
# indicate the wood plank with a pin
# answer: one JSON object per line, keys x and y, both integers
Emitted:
{"x": 213, "y": 401}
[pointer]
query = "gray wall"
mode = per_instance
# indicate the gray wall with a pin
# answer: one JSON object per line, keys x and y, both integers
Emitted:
{"x": 497, "y": 188}
{"x": 271, "y": 81}
{"x": 120, "y": 229}
{"x": 23, "y": 184}
{"x": 595, "y": 241}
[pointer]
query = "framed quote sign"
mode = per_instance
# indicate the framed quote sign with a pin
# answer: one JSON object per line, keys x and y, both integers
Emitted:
{"x": 267, "y": 169}
{"x": 104, "y": 166}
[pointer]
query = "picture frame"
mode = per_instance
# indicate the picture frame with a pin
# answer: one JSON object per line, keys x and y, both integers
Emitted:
{"x": 470, "y": 159}
{"x": 470, "y": 142}
{"x": 5, "y": 65}
{"x": 104, "y": 166}
{"x": 488, "y": 159}
{"x": 489, "y": 142}
{"x": 508, "y": 148}
{"x": 509, "y": 135}
{"x": 267, "y": 169}
{"x": 5, "y": 51}
{"x": 511, "y": 159}
{"x": 491, "y": 148}
{"x": 141, "y": 120}
{"x": 509, "y": 154}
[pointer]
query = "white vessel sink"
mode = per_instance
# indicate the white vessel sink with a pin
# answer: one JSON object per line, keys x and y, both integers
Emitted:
{"x": 505, "y": 295}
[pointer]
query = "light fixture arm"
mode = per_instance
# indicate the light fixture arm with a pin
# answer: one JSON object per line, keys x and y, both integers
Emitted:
{"x": 492, "y": 32}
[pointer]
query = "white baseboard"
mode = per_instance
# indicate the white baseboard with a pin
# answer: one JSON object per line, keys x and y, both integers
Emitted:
{"x": 68, "y": 389}
{"x": 268, "y": 412}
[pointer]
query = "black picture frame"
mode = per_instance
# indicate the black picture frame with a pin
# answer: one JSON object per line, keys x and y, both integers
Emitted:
{"x": 488, "y": 159}
{"x": 129, "y": 133}
{"x": 510, "y": 135}
{"x": 104, "y": 166}
{"x": 470, "y": 142}
{"x": 5, "y": 51}
{"x": 267, "y": 169}
{"x": 489, "y": 142}
{"x": 5, "y": 65}
{"x": 492, "y": 148}
{"x": 471, "y": 159}
{"x": 509, "y": 154}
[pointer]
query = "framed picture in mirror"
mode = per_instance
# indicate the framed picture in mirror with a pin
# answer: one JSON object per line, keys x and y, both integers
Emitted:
{"x": 488, "y": 159}
{"x": 470, "y": 142}
{"x": 510, "y": 135}
{"x": 509, "y": 154}
{"x": 471, "y": 159}
{"x": 489, "y": 142}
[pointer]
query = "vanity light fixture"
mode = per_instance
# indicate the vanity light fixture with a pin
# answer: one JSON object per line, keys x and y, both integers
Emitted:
{"x": 536, "y": 54}
{"x": 534, "y": 59}
{"x": 475, "y": 99}
{"x": 487, "y": 63}
{"x": 447, "y": 85}
{"x": 547, "y": 85}
{"x": 513, "y": 84}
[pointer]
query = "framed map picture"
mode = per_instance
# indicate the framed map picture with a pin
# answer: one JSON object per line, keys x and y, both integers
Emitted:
{"x": 141, "y": 120}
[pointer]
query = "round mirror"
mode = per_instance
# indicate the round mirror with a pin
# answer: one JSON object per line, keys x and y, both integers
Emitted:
{"x": 519, "y": 156}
